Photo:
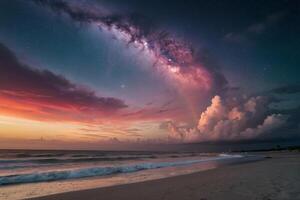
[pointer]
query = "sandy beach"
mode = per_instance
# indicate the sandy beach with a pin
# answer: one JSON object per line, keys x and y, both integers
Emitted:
{"x": 276, "y": 177}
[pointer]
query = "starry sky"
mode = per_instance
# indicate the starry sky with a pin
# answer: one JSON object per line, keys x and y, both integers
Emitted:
{"x": 114, "y": 74}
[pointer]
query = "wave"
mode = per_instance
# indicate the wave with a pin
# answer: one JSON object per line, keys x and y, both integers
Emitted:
{"x": 45, "y": 159}
{"x": 99, "y": 171}
{"x": 73, "y": 160}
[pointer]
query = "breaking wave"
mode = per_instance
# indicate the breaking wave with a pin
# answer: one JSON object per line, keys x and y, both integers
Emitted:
{"x": 101, "y": 171}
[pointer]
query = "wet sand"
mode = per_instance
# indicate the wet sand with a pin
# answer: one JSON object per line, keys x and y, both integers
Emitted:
{"x": 274, "y": 178}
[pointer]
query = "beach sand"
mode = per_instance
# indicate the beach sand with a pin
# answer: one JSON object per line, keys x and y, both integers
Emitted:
{"x": 274, "y": 178}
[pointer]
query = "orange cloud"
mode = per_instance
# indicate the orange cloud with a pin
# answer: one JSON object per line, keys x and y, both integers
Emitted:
{"x": 43, "y": 95}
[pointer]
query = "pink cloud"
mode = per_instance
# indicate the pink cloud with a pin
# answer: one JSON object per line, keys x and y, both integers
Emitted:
{"x": 220, "y": 121}
{"x": 44, "y": 95}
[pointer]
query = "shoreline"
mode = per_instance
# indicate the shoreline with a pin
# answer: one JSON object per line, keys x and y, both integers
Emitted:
{"x": 274, "y": 178}
{"x": 45, "y": 188}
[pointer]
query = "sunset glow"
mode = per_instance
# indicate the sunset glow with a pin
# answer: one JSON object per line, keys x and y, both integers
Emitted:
{"x": 87, "y": 73}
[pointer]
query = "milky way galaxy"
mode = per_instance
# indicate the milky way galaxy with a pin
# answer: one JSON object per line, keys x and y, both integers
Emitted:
{"x": 175, "y": 58}
{"x": 126, "y": 72}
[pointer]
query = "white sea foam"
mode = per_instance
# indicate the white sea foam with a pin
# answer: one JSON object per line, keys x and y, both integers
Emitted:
{"x": 102, "y": 171}
{"x": 230, "y": 155}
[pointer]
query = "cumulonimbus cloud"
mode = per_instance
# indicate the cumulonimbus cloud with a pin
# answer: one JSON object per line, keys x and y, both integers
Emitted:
{"x": 245, "y": 119}
{"x": 42, "y": 94}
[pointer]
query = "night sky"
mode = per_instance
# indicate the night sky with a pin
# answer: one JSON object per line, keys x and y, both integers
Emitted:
{"x": 118, "y": 73}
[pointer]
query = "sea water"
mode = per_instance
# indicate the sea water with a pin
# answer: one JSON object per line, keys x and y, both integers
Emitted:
{"x": 25, "y": 174}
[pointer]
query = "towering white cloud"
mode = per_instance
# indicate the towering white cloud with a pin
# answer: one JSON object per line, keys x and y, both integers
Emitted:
{"x": 245, "y": 119}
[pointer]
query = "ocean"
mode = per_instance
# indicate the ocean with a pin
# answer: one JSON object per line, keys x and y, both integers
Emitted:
{"x": 31, "y": 173}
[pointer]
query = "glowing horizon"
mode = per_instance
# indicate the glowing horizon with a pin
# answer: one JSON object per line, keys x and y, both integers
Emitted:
{"x": 98, "y": 74}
